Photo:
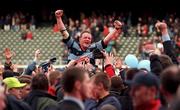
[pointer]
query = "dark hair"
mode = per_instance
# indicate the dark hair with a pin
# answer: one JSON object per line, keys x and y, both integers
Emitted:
{"x": 70, "y": 76}
{"x": 170, "y": 79}
{"x": 117, "y": 83}
{"x": 165, "y": 61}
{"x": 53, "y": 76}
{"x": 131, "y": 73}
{"x": 104, "y": 79}
{"x": 83, "y": 33}
{"x": 40, "y": 82}
{"x": 25, "y": 79}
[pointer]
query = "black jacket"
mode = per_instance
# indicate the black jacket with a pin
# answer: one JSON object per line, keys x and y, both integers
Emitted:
{"x": 39, "y": 100}
{"x": 14, "y": 104}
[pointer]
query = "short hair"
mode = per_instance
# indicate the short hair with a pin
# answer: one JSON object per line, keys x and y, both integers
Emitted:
{"x": 84, "y": 32}
{"x": 53, "y": 76}
{"x": 117, "y": 83}
{"x": 39, "y": 82}
{"x": 170, "y": 79}
{"x": 165, "y": 61}
{"x": 70, "y": 76}
{"x": 103, "y": 78}
{"x": 131, "y": 72}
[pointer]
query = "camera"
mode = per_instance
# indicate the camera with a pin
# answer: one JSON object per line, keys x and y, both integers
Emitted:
{"x": 97, "y": 54}
{"x": 45, "y": 65}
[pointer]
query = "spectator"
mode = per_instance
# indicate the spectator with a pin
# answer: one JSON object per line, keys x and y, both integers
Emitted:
{"x": 38, "y": 98}
{"x": 54, "y": 76}
{"x": 77, "y": 87}
{"x": 14, "y": 86}
{"x": 170, "y": 78}
{"x": 26, "y": 89}
{"x": 144, "y": 92}
{"x": 101, "y": 86}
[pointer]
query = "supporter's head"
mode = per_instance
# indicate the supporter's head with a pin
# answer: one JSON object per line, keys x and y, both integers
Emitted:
{"x": 101, "y": 84}
{"x": 85, "y": 39}
{"x": 2, "y": 98}
{"x": 14, "y": 86}
{"x": 76, "y": 80}
{"x": 170, "y": 80}
{"x": 39, "y": 82}
{"x": 117, "y": 83}
{"x": 26, "y": 89}
{"x": 144, "y": 89}
{"x": 54, "y": 76}
{"x": 165, "y": 61}
{"x": 131, "y": 72}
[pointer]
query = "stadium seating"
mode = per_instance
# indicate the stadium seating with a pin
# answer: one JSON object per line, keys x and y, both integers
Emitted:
{"x": 50, "y": 45}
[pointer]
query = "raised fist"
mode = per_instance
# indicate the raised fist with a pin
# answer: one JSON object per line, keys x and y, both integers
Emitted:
{"x": 59, "y": 13}
{"x": 37, "y": 53}
{"x": 161, "y": 26}
{"x": 117, "y": 24}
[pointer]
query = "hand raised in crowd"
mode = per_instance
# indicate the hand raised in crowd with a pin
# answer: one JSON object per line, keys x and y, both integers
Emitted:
{"x": 162, "y": 27}
{"x": 59, "y": 13}
{"x": 8, "y": 54}
{"x": 109, "y": 58}
{"x": 117, "y": 24}
{"x": 37, "y": 55}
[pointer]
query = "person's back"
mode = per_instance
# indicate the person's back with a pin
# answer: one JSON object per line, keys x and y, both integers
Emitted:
{"x": 38, "y": 98}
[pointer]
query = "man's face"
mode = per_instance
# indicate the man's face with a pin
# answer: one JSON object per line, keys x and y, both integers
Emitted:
{"x": 16, "y": 92}
{"x": 85, "y": 40}
{"x": 25, "y": 91}
{"x": 86, "y": 87}
{"x": 142, "y": 95}
{"x": 97, "y": 90}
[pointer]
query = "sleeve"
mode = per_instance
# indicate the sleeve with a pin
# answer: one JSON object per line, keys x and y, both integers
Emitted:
{"x": 109, "y": 70}
{"x": 155, "y": 64}
{"x": 168, "y": 48}
{"x": 100, "y": 45}
{"x": 69, "y": 41}
{"x": 31, "y": 67}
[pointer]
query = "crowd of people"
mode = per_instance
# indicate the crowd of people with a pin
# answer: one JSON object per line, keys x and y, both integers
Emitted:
{"x": 152, "y": 83}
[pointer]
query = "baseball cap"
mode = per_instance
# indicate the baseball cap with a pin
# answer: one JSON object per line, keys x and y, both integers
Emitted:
{"x": 145, "y": 79}
{"x": 13, "y": 82}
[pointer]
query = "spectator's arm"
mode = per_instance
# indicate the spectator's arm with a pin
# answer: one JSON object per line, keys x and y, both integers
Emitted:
{"x": 31, "y": 67}
{"x": 115, "y": 32}
{"x": 168, "y": 46}
{"x": 109, "y": 69}
{"x": 60, "y": 24}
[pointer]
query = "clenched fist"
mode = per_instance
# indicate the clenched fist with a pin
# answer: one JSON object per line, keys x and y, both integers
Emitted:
{"x": 58, "y": 13}
{"x": 117, "y": 24}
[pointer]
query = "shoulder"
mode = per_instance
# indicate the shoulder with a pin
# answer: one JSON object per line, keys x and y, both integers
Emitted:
{"x": 68, "y": 105}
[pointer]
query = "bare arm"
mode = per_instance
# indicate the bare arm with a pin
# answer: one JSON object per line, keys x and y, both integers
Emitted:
{"x": 114, "y": 33}
{"x": 60, "y": 24}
